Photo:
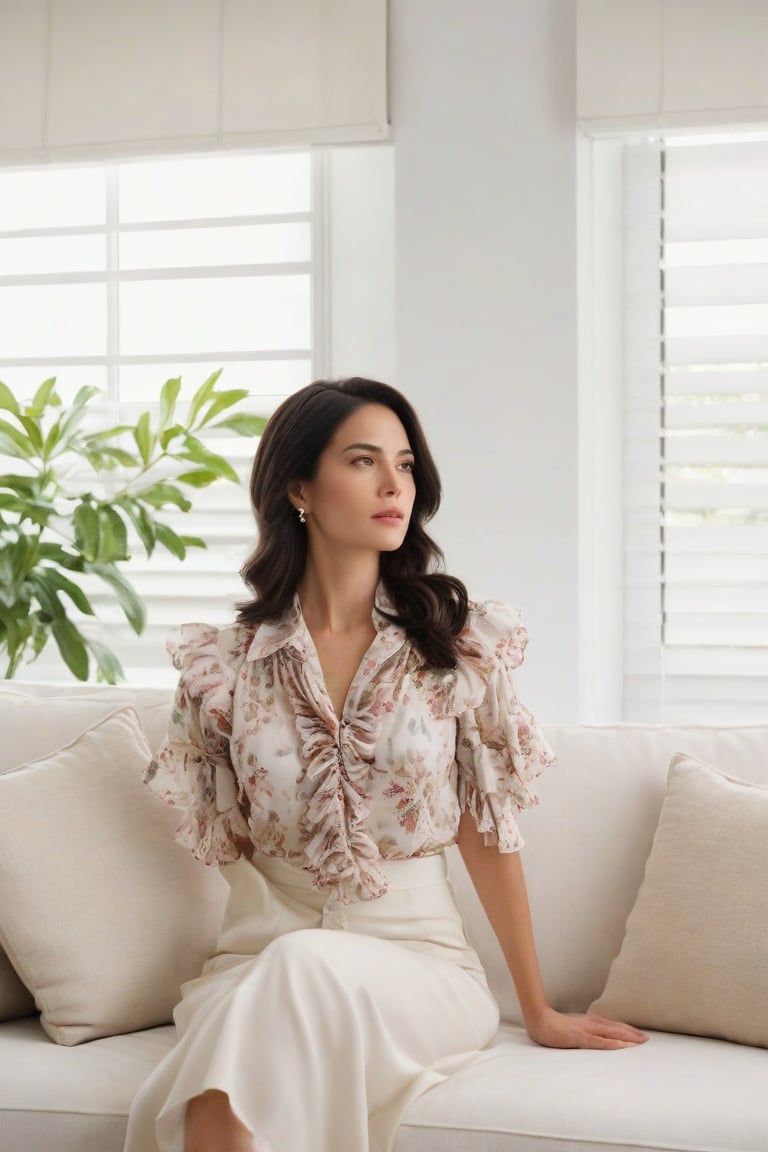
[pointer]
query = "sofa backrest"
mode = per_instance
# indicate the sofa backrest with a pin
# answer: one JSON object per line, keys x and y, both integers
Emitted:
{"x": 587, "y": 842}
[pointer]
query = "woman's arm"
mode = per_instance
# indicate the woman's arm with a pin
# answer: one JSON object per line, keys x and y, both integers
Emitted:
{"x": 500, "y": 883}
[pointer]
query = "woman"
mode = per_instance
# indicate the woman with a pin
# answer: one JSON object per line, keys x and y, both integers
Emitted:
{"x": 357, "y": 719}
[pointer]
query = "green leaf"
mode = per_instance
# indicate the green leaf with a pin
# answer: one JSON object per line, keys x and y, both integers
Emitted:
{"x": 113, "y": 537}
{"x": 17, "y": 444}
{"x": 196, "y": 452}
{"x": 202, "y": 396}
{"x": 200, "y": 478}
{"x": 244, "y": 424}
{"x": 52, "y": 439}
{"x": 97, "y": 438}
{"x": 24, "y": 485}
{"x": 109, "y": 667}
{"x": 67, "y": 425}
{"x": 71, "y": 645}
{"x": 170, "y": 540}
{"x": 194, "y": 542}
{"x": 112, "y": 456}
{"x": 169, "y": 394}
{"x": 222, "y": 400}
{"x": 86, "y": 521}
{"x": 8, "y": 400}
{"x": 161, "y": 494}
{"x": 46, "y": 597}
{"x": 131, "y": 604}
{"x": 170, "y": 434}
{"x": 141, "y": 521}
{"x": 10, "y": 625}
{"x": 44, "y": 397}
{"x": 38, "y": 512}
{"x": 142, "y": 434}
{"x": 84, "y": 395}
{"x": 17, "y": 559}
{"x": 56, "y": 582}
{"x": 58, "y": 555}
{"x": 33, "y": 430}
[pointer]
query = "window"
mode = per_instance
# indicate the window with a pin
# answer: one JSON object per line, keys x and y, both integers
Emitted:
{"x": 123, "y": 275}
{"x": 693, "y": 366}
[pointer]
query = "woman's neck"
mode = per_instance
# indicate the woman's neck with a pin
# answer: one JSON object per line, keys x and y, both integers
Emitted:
{"x": 338, "y": 597}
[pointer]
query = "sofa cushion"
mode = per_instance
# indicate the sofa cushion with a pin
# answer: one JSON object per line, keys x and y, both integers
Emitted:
{"x": 694, "y": 953}
{"x": 71, "y": 1099}
{"x": 103, "y": 914}
{"x": 674, "y": 1092}
{"x": 38, "y": 719}
{"x": 15, "y": 999}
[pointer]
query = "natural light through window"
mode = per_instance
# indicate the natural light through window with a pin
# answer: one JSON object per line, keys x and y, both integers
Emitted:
{"x": 120, "y": 276}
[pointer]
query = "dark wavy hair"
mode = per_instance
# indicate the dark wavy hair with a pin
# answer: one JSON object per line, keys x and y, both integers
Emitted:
{"x": 430, "y": 605}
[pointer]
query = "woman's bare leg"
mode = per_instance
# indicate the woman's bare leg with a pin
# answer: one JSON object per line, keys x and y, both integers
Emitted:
{"x": 210, "y": 1125}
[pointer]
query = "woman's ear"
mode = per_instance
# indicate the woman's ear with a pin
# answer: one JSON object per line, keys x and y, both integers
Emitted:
{"x": 297, "y": 495}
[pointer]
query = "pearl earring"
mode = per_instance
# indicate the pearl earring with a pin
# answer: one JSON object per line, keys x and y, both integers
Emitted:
{"x": 302, "y": 517}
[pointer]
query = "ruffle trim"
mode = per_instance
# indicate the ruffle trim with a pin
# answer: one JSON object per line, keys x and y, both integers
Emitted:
{"x": 493, "y": 638}
{"x": 192, "y": 769}
{"x": 338, "y": 852}
{"x": 493, "y": 816}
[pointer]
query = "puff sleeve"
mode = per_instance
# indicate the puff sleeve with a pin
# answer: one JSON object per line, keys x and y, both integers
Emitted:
{"x": 500, "y": 749}
{"x": 192, "y": 769}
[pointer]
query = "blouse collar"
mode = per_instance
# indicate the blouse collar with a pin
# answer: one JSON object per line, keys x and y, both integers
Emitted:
{"x": 291, "y": 631}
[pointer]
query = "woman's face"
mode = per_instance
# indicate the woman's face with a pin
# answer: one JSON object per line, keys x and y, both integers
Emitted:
{"x": 363, "y": 491}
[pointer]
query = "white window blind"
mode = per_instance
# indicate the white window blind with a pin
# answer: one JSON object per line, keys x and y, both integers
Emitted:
{"x": 122, "y": 276}
{"x": 86, "y": 80}
{"x": 696, "y": 447}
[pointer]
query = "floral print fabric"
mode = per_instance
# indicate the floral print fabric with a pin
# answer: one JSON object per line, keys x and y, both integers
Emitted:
{"x": 258, "y": 759}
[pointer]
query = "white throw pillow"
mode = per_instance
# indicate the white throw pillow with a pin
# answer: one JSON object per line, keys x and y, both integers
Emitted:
{"x": 693, "y": 958}
{"x": 103, "y": 916}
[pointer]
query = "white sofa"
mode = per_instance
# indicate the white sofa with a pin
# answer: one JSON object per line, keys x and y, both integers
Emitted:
{"x": 586, "y": 849}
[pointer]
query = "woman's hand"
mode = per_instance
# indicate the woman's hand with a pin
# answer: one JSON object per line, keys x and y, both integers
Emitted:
{"x": 561, "y": 1030}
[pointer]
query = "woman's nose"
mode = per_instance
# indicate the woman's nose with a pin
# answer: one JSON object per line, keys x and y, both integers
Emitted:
{"x": 391, "y": 483}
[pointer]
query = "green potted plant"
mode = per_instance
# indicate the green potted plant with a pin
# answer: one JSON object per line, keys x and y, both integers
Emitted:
{"x": 51, "y": 536}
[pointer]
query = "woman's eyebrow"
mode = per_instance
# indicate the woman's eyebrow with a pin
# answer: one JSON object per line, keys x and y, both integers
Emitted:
{"x": 375, "y": 448}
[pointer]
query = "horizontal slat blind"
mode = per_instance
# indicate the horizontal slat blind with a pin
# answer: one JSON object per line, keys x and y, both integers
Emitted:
{"x": 711, "y": 398}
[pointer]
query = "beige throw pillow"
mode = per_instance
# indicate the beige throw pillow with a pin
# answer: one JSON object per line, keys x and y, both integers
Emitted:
{"x": 695, "y": 953}
{"x": 34, "y": 726}
{"x": 104, "y": 915}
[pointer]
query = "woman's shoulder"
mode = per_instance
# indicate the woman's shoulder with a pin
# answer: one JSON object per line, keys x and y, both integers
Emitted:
{"x": 493, "y": 635}
{"x": 208, "y": 656}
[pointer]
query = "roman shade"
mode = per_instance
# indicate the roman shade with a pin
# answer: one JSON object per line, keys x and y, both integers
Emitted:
{"x": 81, "y": 79}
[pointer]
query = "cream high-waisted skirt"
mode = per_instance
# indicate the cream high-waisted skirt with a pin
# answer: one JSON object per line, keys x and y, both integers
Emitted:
{"x": 322, "y": 1021}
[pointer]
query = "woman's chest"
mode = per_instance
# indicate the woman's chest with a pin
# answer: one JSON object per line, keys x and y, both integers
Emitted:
{"x": 286, "y": 730}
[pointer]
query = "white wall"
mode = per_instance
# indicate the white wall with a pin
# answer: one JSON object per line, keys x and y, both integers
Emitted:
{"x": 358, "y": 337}
{"x": 483, "y": 113}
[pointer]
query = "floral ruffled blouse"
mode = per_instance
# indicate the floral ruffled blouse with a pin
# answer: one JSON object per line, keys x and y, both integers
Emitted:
{"x": 259, "y": 760}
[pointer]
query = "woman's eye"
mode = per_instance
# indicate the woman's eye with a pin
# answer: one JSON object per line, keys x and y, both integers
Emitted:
{"x": 407, "y": 465}
{"x": 363, "y": 460}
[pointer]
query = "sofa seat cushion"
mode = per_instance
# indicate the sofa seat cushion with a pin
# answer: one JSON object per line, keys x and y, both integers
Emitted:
{"x": 674, "y": 1092}
{"x": 680, "y": 1092}
{"x": 70, "y": 1099}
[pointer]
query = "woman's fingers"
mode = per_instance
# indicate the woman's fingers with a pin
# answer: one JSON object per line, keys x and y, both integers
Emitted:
{"x": 611, "y": 1033}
